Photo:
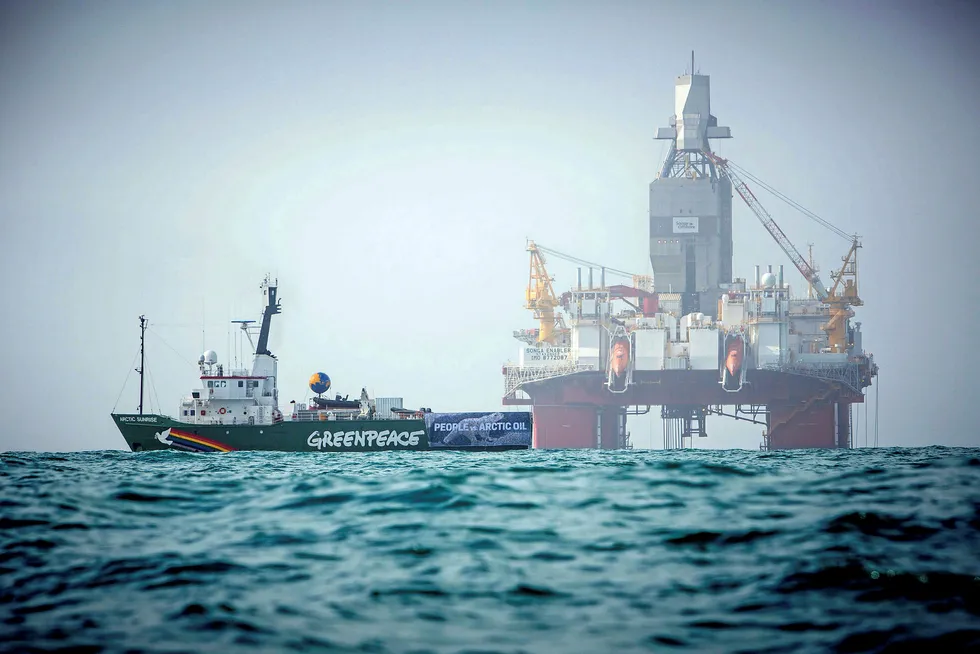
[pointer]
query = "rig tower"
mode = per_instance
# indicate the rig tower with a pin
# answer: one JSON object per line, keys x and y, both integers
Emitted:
{"x": 691, "y": 204}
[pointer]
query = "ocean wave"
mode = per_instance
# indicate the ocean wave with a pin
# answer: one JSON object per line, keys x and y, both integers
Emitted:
{"x": 564, "y": 551}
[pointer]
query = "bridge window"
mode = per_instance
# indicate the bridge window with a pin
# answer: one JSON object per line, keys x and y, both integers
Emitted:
{"x": 240, "y": 383}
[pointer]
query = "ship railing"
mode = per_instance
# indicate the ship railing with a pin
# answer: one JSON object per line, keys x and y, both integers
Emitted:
{"x": 321, "y": 416}
{"x": 231, "y": 422}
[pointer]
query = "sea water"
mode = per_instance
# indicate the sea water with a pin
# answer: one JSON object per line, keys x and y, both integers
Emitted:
{"x": 527, "y": 551}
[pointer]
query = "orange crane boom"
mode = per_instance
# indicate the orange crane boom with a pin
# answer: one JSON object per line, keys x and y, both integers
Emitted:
{"x": 839, "y": 300}
{"x": 809, "y": 274}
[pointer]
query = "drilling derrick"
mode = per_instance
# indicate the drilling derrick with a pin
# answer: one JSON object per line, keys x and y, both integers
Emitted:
{"x": 690, "y": 204}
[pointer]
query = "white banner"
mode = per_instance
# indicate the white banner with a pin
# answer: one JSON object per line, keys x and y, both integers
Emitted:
{"x": 686, "y": 225}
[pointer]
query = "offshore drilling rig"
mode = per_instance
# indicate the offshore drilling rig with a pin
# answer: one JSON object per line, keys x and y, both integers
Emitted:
{"x": 691, "y": 339}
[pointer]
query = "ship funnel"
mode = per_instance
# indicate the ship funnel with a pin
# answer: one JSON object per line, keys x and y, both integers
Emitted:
{"x": 757, "y": 282}
{"x": 780, "y": 275}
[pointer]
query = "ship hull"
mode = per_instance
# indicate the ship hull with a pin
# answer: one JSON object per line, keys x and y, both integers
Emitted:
{"x": 158, "y": 432}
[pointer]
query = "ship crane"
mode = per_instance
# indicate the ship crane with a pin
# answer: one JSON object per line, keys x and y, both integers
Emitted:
{"x": 840, "y": 300}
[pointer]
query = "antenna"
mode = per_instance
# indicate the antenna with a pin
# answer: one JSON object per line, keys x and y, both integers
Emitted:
{"x": 142, "y": 358}
{"x": 692, "y": 62}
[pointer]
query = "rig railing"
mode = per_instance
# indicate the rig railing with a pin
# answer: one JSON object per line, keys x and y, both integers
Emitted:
{"x": 849, "y": 373}
{"x": 515, "y": 376}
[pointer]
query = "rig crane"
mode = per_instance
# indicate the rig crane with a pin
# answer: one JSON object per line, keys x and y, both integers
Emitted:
{"x": 840, "y": 300}
{"x": 541, "y": 298}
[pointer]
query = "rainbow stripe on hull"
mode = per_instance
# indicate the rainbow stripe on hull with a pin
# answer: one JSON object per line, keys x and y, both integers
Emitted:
{"x": 194, "y": 443}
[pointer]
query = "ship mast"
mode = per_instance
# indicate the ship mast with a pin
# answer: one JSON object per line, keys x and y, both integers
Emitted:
{"x": 142, "y": 358}
{"x": 271, "y": 309}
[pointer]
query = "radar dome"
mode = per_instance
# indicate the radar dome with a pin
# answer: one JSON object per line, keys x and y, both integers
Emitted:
{"x": 319, "y": 383}
{"x": 769, "y": 280}
{"x": 210, "y": 357}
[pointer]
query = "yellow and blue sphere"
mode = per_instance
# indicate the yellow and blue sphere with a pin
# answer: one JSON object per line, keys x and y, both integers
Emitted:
{"x": 319, "y": 382}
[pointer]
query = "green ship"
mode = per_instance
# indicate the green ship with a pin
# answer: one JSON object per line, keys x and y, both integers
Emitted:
{"x": 239, "y": 410}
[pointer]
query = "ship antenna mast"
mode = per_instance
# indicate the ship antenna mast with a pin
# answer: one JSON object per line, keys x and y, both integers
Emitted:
{"x": 142, "y": 358}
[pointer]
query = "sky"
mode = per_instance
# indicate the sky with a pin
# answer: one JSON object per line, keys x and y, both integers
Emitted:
{"x": 386, "y": 162}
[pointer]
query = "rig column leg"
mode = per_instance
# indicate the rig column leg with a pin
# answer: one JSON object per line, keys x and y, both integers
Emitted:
{"x": 843, "y": 425}
{"x": 796, "y": 426}
{"x": 558, "y": 426}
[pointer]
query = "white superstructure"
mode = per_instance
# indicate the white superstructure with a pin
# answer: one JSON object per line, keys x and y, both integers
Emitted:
{"x": 777, "y": 332}
{"x": 242, "y": 396}
{"x": 251, "y": 396}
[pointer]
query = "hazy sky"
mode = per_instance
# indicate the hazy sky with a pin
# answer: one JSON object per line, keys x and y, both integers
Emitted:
{"x": 388, "y": 160}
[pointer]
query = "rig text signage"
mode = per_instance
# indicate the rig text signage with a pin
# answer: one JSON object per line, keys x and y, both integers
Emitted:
{"x": 541, "y": 356}
{"x": 685, "y": 224}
